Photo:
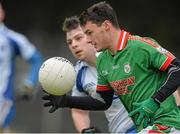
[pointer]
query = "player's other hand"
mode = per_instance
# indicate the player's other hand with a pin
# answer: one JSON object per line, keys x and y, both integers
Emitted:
{"x": 54, "y": 101}
{"x": 25, "y": 93}
{"x": 91, "y": 130}
{"x": 145, "y": 112}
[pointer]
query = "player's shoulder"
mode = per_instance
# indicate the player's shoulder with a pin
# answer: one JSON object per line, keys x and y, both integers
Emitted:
{"x": 135, "y": 40}
{"x": 16, "y": 36}
{"x": 79, "y": 64}
{"x": 138, "y": 42}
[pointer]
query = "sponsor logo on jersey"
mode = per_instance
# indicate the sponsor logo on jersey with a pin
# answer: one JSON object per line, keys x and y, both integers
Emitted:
{"x": 127, "y": 68}
{"x": 162, "y": 50}
{"x": 115, "y": 67}
{"x": 121, "y": 86}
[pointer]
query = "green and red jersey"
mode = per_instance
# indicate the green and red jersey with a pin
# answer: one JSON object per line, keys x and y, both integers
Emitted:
{"x": 135, "y": 73}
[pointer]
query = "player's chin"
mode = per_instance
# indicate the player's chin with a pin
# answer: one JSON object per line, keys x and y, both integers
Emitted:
{"x": 80, "y": 57}
{"x": 77, "y": 56}
{"x": 98, "y": 49}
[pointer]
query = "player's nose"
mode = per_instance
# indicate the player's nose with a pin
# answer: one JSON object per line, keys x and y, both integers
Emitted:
{"x": 74, "y": 44}
{"x": 89, "y": 40}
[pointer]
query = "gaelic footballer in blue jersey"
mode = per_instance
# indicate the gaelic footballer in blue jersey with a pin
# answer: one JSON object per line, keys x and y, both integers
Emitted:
{"x": 13, "y": 44}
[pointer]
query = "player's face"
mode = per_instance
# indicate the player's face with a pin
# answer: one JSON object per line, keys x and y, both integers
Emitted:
{"x": 79, "y": 45}
{"x": 97, "y": 34}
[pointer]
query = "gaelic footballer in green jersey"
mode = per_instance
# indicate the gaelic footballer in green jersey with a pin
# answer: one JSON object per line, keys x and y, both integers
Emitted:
{"x": 135, "y": 73}
{"x": 143, "y": 71}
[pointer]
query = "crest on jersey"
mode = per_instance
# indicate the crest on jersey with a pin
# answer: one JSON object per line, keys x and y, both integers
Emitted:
{"x": 127, "y": 68}
{"x": 162, "y": 50}
{"x": 104, "y": 72}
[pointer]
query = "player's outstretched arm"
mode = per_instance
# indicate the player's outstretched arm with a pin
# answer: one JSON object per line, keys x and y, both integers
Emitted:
{"x": 26, "y": 91}
{"x": 84, "y": 103}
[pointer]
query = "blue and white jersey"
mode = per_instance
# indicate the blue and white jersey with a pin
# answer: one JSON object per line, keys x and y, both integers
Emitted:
{"x": 86, "y": 81}
{"x": 13, "y": 44}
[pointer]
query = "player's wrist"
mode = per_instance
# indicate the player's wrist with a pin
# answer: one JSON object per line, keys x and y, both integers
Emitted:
{"x": 62, "y": 101}
{"x": 90, "y": 130}
{"x": 156, "y": 101}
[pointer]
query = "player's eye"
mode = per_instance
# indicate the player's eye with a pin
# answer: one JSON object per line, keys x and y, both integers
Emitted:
{"x": 69, "y": 43}
{"x": 89, "y": 33}
{"x": 78, "y": 38}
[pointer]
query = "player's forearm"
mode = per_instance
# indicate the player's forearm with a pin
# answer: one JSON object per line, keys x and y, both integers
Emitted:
{"x": 81, "y": 119}
{"x": 85, "y": 103}
{"x": 88, "y": 102}
{"x": 172, "y": 83}
{"x": 35, "y": 62}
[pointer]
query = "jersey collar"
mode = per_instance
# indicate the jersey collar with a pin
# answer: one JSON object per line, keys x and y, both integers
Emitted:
{"x": 122, "y": 40}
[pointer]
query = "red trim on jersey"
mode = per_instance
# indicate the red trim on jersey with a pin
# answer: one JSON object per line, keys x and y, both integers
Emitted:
{"x": 166, "y": 63}
{"x": 145, "y": 40}
{"x": 102, "y": 88}
{"x": 160, "y": 127}
{"x": 154, "y": 132}
{"x": 170, "y": 55}
{"x": 122, "y": 40}
{"x": 159, "y": 130}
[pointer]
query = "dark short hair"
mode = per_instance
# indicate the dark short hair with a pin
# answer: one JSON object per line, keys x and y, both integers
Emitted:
{"x": 70, "y": 23}
{"x": 98, "y": 13}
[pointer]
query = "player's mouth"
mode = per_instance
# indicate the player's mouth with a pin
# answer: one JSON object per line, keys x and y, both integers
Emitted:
{"x": 95, "y": 45}
{"x": 77, "y": 52}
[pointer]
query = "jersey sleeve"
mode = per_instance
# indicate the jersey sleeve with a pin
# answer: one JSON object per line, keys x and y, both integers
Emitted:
{"x": 102, "y": 83}
{"x": 34, "y": 64}
{"x": 159, "y": 57}
{"x": 165, "y": 58}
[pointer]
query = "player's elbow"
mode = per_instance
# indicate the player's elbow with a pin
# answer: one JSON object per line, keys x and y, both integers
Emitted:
{"x": 36, "y": 59}
{"x": 105, "y": 106}
{"x": 106, "y": 98}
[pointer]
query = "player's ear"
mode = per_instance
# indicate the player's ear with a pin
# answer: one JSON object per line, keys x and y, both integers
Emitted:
{"x": 106, "y": 25}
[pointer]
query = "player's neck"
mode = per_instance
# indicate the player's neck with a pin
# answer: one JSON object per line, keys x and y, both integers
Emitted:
{"x": 114, "y": 40}
{"x": 92, "y": 61}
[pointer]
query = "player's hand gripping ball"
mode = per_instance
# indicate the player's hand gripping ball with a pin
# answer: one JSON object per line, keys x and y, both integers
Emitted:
{"x": 57, "y": 76}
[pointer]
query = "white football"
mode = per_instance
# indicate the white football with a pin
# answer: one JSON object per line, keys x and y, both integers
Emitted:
{"x": 57, "y": 76}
